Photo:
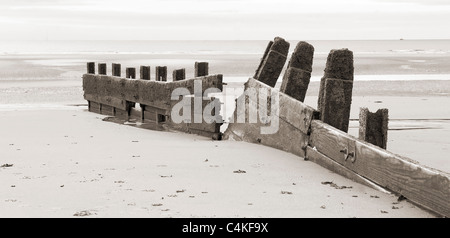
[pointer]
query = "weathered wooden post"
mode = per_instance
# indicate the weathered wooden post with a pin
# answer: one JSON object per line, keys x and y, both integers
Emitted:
{"x": 91, "y": 68}
{"x": 161, "y": 73}
{"x": 272, "y": 62}
{"x": 102, "y": 68}
{"x": 116, "y": 70}
{"x": 145, "y": 72}
{"x": 201, "y": 69}
{"x": 335, "y": 95}
{"x": 298, "y": 73}
{"x": 130, "y": 73}
{"x": 179, "y": 74}
{"x": 373, "y": 127}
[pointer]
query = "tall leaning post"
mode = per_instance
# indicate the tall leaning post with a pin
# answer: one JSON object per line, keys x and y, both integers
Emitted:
{"x": 373, "y": 127}
{"x": 145, "y": 72}
{"x": 335, "y": 94}
{"x": 116, "y": 70}
{"x": 161, "y": 73}
{"x": 272, "y": 62}
{"x": 91, "y": 68}
{"x": 201, "y": 69}
{"x": 102, "y": 68}
{"x": 298, "y": 73}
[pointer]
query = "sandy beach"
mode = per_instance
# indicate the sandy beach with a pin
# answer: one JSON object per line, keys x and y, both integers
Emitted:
{"x": 59, "y": 160}
{"x": 69, "y": 163}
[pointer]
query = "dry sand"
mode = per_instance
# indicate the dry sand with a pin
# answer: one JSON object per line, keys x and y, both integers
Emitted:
{"x": 68, "y": 162}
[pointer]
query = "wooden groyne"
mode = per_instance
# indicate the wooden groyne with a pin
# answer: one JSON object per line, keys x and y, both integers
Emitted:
{"x": 116, "y": 96}
{"x": 276, "y": 118}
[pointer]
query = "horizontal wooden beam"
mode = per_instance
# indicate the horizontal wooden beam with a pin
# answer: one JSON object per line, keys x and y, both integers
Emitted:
{"x": 292, "y": 111}
{"x": 425, "y": 186}
{"x": 326, "y": 162}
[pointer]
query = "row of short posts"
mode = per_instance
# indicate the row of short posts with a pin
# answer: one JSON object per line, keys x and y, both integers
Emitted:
{"x": 201, "y": 69}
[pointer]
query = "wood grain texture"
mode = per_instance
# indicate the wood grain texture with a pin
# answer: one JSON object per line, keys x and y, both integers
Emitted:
{"x": 107, "y": 110}
{"x": 425, "y": 186}
{"x": 291, "y": 110}
{"x": 94, "y": 107}
{"x": 328, "y": 163}
{"x": 289, "y": 137}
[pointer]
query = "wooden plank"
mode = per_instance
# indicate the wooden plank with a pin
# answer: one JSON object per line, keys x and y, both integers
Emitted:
{"x": 291, "y": 110}
{"x": 271, "y": 68}
{"x": 122, "y": 114}
{"x": 149, "y": 116}
{"x": 144, "y": 91}
{"x": 209, "y": 127}
{"x": 116, "y": 69}
{"x": 333, "y": 143}
{"x": 427, "y": 187}
{"x": 135, "y": 114}
{"x": 107, "y": 110}
{"x": 94, "y": 107}
{"x": 328, "y": 163}
{"x": 288, "y": 138}
{"x": 107, "y": 100}
{"x": 336, "y": 103}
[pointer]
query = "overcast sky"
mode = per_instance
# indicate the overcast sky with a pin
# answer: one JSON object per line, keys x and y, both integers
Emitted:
{"x": 223, "y": 19}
